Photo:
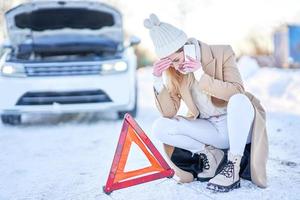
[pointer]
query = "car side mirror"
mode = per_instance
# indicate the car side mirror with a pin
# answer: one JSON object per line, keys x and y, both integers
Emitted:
{"x": 134, "y": 41}
{"x": 6, "y": 46}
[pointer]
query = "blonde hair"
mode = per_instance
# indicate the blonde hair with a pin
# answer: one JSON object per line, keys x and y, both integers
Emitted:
{"x": 174, "y": 77}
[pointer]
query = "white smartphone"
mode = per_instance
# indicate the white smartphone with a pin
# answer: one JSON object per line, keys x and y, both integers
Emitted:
{"x": 189, "y": 50}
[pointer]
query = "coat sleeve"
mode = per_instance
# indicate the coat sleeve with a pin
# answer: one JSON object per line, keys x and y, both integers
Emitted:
{"x": 167, "y": 102}
{"x": 232, "y": 82}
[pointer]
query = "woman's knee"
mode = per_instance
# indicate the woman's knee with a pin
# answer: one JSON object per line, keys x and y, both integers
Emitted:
{"x": 160, "y": 127}
{"x": 240, "y": 102}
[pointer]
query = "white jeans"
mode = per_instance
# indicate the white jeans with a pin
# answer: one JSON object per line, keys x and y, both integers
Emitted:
{"x": 231, "y": 130}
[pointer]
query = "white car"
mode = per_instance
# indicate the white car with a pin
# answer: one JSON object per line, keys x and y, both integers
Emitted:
{"x": 66, "y": 57}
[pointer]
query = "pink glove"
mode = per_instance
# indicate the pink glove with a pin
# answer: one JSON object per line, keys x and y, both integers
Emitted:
{"x": 191, "y": 65}
{"x": 160, "y": 66}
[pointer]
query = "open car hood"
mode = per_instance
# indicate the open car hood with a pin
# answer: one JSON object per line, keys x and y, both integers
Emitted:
{"x": 29, "y": 22}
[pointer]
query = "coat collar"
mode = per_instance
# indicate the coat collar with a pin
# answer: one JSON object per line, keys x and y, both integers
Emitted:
{"x": 207, "y": 60}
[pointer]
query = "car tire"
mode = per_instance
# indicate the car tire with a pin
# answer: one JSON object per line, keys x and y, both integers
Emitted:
{"x": 133, "y": 111}
{"x": 15, "y": 119}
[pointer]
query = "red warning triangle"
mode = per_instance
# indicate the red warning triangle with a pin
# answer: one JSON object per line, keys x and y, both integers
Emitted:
{"x": 118, "y": 178}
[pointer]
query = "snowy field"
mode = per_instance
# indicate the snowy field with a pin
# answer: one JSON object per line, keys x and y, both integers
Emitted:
{"x": 69, "y": 156}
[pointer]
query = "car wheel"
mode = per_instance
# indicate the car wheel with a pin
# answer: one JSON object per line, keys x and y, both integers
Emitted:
{"x": 11, "y": 119}
{"x": 132, "y": 112}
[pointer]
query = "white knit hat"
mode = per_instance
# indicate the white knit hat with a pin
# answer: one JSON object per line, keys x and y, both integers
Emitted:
{"x": 166, "y": 38}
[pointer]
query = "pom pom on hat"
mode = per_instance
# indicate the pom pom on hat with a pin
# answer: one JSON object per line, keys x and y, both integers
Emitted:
{"x": 152, "y": 21}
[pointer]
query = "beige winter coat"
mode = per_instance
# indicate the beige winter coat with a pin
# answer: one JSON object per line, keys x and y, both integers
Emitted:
{"x": 221, "y": 80}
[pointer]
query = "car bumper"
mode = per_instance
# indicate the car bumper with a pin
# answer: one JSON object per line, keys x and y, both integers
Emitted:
{"x": 120, "y": 88}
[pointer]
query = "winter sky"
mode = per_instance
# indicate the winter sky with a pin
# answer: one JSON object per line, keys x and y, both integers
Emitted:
{"x": 214, "y": 21}
{"x": 211, "y": 21}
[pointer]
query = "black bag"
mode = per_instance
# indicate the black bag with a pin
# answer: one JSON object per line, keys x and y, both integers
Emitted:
{"x": 245, "y": 171}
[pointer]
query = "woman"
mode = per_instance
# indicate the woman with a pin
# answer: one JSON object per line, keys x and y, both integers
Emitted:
{"x": 222, "y": 115}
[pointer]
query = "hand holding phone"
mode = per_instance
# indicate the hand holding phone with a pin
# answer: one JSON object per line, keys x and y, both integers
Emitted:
{"x": 189, "y": 50}
{"x": 190, "y": 64}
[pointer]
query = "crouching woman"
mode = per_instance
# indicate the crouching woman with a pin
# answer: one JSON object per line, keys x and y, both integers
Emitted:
{"x": 221, "y": 114}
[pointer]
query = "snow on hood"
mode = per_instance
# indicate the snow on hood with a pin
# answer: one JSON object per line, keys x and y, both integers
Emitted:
{"x": 29, "y": 21}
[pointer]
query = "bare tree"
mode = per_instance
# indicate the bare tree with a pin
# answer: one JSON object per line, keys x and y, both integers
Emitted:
{"x": 259, "y": 44}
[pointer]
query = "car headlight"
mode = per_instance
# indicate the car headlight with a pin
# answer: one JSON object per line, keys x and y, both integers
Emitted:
{"x": 13, "y": 70}
{"x": 120, "y": 66}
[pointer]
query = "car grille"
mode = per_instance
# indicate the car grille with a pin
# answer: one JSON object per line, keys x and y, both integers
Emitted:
{"x": 70, "y": 97}
{"x": 62, "y": 70}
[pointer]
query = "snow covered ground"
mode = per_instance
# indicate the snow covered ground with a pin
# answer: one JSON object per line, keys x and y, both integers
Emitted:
{"x": 69, "y": 156}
